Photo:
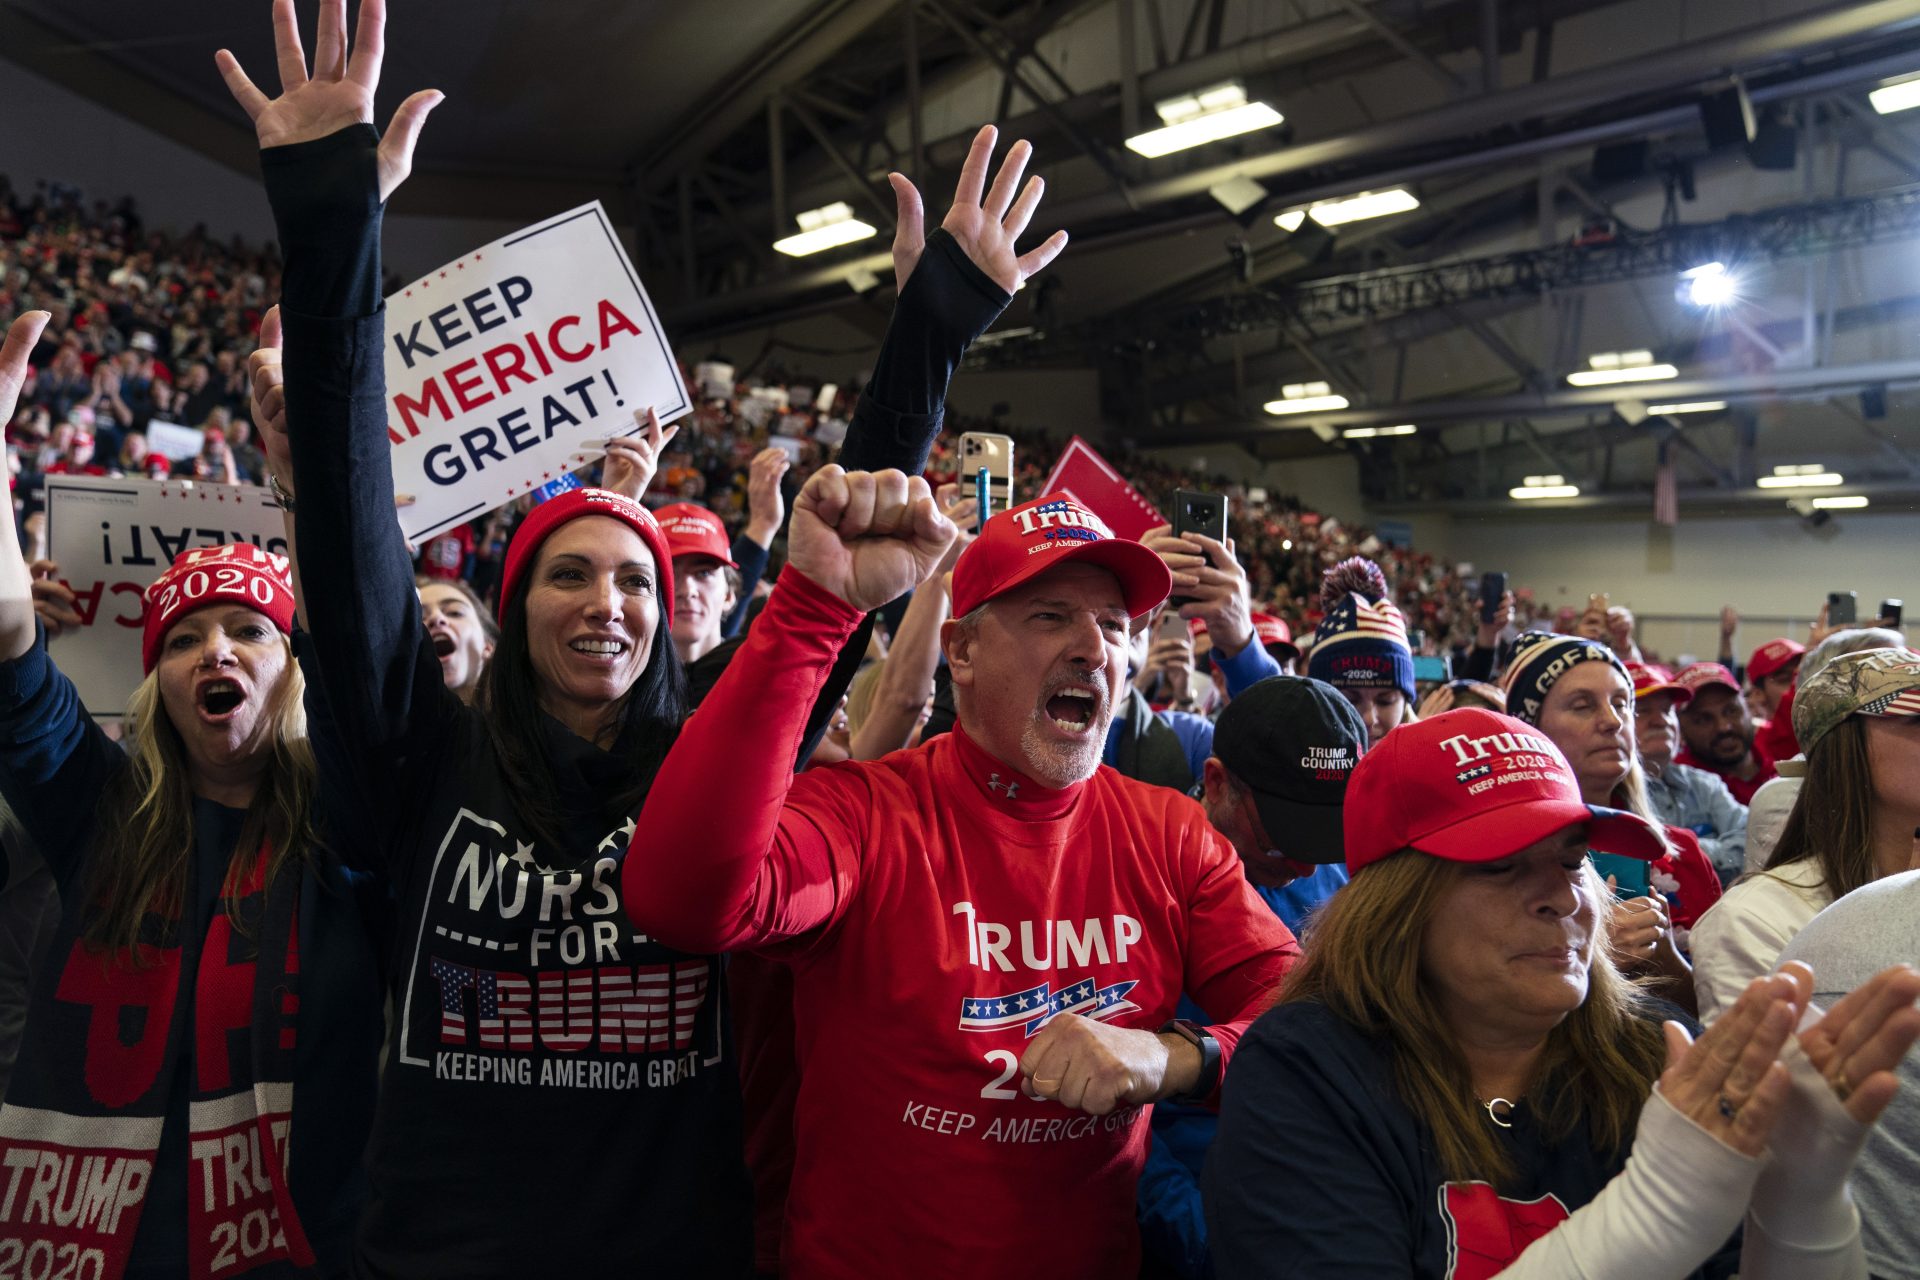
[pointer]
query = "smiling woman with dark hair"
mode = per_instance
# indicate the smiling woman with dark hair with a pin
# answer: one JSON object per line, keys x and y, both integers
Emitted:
{"x": 530, "y": 1012}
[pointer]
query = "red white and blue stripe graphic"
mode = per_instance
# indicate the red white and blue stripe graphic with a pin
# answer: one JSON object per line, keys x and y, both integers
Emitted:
{"x": 1034, "y": 1006}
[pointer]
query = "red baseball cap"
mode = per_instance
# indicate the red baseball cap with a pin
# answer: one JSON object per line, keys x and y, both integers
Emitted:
{"x": 692, "y": 530}
{"x": 235, "y": 573}
{"x": 1702, "y": 674}
{"x": 572, "y": 505}
{"x": 1650, "y": 678}
{"x": 1475, "y": 786}
{"x": 1772, "y": 656}
{"x": 1027, "y": 540}
{"x": 1271, "y": 631}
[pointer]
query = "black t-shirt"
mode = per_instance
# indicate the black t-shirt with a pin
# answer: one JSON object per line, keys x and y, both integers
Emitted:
{"x": 1320, "y": 1170}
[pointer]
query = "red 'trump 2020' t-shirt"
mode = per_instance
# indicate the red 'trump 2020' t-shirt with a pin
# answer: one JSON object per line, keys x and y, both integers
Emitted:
{"x": 938, "y": 908}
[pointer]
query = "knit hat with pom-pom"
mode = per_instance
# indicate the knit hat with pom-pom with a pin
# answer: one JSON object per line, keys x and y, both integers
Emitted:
{"x": 1361, "y": 643}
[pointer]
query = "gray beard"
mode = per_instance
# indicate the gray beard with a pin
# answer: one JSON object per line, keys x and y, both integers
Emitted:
{"x": 1063, "y": 764}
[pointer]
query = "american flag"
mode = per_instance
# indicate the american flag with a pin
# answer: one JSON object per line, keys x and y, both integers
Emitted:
{"x": 454, "y": 980}
{"x": 1666, "y": 492}
{"x": 1355, "y": 616}
{"x": 653, "y": 1012}
{"x": 1034, "y": 1006}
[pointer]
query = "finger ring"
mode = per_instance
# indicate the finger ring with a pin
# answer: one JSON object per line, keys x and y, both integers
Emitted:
{"x": 1838, "y": 1080}
{"x": 1728, "y": 1108}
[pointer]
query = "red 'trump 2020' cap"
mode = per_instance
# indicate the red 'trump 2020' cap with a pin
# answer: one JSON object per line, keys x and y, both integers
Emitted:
{"x": 1475, "y": 786}
{"x": 1027, "y": 540}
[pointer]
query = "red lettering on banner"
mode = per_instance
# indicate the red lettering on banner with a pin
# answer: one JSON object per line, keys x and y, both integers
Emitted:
{"x": 122, "y": 998}
{"x": 223, "y": 1000}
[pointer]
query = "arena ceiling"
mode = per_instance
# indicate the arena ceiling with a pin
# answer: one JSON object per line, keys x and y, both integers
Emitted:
{"x": 1558, "y": 149}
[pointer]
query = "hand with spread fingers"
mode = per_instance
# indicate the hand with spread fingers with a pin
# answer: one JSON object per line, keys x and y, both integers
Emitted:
{"x": 868, "y": 537}
{"x": 984, "y": 222}
{"x": 632, "y": 460}
{"x": 1730, "y": 1081}
{"x": 1857, "y": 1045}
{"x": 339, "y": 90}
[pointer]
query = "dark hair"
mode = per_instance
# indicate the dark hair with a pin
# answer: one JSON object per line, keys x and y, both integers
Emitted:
{"x": 1832, "y": 819}
{"x": 488, "y": 627}
{"x": 650, "y": 719}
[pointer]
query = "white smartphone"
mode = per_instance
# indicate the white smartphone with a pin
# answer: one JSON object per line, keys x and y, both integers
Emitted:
{"x": 980, "y": 449}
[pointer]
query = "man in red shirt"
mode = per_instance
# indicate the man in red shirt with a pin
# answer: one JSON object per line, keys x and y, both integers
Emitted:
{"x": 989, "y": 934}
{"x": 1719, "y": 731}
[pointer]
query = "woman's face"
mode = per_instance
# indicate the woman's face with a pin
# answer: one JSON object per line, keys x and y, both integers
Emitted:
{"x": 220, "y": 671}
{"x": 1589, "y": 715}
{"x": 1893, "y": 753}
{"x": 593, "y": 604}
{"x": 1380, "y": 710}
{"x": 1511, "y": 942}
{"x": 459, "y": 641}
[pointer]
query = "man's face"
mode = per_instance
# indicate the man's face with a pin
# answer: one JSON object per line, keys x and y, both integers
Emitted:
{"x": 701, "y": 601}
{"x": 1038, "y": 679}
{"x": 1717, "y": 728}
{"x": 1774, "y": 687}
{"x": 1656, "y": 728}
{"x": 1230, "y": 808}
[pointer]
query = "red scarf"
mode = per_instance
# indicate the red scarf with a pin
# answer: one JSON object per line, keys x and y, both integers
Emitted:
{"x": 84, "y": 1113}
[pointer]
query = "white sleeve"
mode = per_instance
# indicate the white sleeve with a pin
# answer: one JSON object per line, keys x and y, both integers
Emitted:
{"x": 1737, "y": 940}
{"x": 1677, "y": 1201}
{"x": 1803, "y": 1224}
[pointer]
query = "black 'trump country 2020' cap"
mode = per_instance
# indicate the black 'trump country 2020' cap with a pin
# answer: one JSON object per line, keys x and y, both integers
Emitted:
{"x": 1293, "y": 742}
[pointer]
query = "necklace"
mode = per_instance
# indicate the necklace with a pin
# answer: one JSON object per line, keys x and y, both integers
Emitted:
{"x": 1498, "y": 1109}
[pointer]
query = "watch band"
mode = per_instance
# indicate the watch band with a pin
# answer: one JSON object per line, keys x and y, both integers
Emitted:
{"x": 1210, "y": 1060}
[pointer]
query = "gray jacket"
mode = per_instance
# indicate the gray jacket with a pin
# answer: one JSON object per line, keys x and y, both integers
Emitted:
{"x": 1683, "y": 796}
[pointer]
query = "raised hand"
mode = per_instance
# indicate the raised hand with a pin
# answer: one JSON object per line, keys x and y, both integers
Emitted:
{"x": 766, "y": 508}
{"x": 267, "y": 399}
{"x": 53, "y": 600}
{"x": 1730, "y": 1081}
{"x": 338, "y": 93}
{"x": 984, "y": 223}
{"x": 22, "y": 334}
{"x": 1861, "y": 1041}
{"x": 632, "y": 460}
{"x": 868, "y": 537}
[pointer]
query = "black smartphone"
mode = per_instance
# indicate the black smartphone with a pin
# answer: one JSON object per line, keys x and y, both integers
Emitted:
{"x": 1493, "y": 586}
{"x": 1843, "y": 608}
{"x": 1890, "y": 613}
{"x": 1202, "y": 513}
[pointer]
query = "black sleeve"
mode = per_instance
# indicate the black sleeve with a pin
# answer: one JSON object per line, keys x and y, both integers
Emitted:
{"x": 386, "y": 699}
{"x": 948, "y": 302}
{"x": 55, "y": 762}
{"x": 1478, "y": 664}
{"x": 752, "y": 559}
{"x": 944, "y": 715}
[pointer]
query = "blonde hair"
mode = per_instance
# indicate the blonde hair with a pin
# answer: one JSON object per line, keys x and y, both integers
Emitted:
{"x": 1363, "y": 962}
{"x": 144, "y": 848}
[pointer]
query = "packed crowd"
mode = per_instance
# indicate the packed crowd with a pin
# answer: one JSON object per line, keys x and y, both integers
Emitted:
{"x": 754, "y": 863}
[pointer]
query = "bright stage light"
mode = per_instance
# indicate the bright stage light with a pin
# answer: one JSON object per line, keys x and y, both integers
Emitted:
{"x": 1195, "y": 119}
{"x": 825, "y": 228}
{"x": 1710, "y": 285}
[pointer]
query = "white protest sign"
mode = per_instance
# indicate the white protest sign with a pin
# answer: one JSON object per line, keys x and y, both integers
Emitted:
{"x": 111, "y": 539}
{"x": 500, "y": 363}
{"x": 171, "y": 440}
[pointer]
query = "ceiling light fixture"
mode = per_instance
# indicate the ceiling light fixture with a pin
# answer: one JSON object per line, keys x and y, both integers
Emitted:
{"x": 1535, "y": 487}
{"x": 1609, "y": 367}
{"x": 1306, "y": 397}
{"x": 1848, "y": 502}
{"x": 1195, "y": 119}
{"x": 1333, "y": 213}
{"x": 1806, "y": 476}
{"x": 1896, "y": 95}
{"x": 1689, "y": 406}
{"x": 824, "y": 228}
{"x": 1368, "y": 433}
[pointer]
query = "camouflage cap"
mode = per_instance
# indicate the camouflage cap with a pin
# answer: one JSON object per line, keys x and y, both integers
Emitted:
{"x": 1872, "y": 682}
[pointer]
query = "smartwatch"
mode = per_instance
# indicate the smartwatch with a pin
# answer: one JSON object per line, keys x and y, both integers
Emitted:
{"x": 1199, "y": 1037}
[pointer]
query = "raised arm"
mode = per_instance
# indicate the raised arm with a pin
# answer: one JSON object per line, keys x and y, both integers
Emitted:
{"x": 328, "y": 175}
{"x": 712, "y": 866}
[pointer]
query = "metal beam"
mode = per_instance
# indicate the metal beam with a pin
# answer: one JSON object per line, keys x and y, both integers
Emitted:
{"x": 851, "y": 171}
{"x": 916, "y": 142}
{"x": 1489, "y": 45}
{"x": 1408, "y": 49}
